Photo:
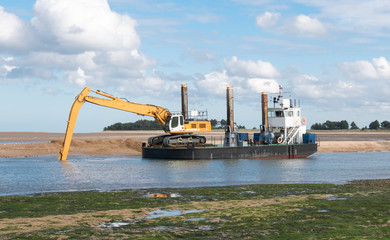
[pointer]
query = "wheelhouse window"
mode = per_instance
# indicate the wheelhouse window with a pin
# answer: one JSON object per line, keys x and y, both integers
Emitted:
{"x": 279, "y": 113}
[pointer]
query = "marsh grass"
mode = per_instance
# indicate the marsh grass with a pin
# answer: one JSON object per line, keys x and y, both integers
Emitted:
{"x": 291, "y": 211}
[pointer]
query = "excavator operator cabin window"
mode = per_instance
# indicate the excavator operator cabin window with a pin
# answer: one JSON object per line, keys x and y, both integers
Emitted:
{"x": 175, "y": 122}
{"x": 181, "y": 120}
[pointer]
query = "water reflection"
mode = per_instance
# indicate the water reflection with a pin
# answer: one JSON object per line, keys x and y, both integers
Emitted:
{"x": 31, "y": 175}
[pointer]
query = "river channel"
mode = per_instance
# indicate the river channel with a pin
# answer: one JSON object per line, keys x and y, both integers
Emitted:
{"x": 20, "y": 176}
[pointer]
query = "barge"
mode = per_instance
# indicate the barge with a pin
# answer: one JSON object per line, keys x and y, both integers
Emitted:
{"x": 282, "y": 135}
{"x": 222, "y": 152}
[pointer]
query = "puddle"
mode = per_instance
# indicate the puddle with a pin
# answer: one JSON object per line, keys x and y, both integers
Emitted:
{"x": 206, "y": 228}
{"x": 248, "y": 192}
{"x": 151, "y": 215}
{"x": 310, "y": 210}
{"x": 175, "y": 195}
{"x": 333, "y": 198}
{"x": 114, "y": 224}
{"x": 170, "y": 213}
{"x": 196, "y": 219}
{"x": 161, "y": 228}
{"x": 322, "y": 210}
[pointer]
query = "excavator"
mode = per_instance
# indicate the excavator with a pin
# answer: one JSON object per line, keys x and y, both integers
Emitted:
{"x": 179, "y": 131}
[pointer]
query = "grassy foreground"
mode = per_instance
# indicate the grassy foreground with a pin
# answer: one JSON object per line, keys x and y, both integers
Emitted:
{"x": 291, "y": 211}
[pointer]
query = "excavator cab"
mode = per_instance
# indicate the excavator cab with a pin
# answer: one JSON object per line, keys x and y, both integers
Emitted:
{"x": 176, "y": 123}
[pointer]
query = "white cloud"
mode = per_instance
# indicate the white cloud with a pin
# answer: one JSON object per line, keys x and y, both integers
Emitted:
{"x": 250, "y": 69}
{"x": 5, "y": 66}
{"x": 382, "y": 67}
{"x": 151, "y": 85}
{"x": 301, "y": 25}
{"x": 362, "y": 70}
{"x": 329, "y": 94}
{"x": 307, "y": 26}
{"x": 246, "y": 77}
{"x": 214, "y": 83}
{"x": 80, "y": 42}
{"x": 15, "y": 34}
{"x": 267, "y": 20}
{"x": 364, "y": 86}
{"x": 308, "y": 86}
{"x": 371, "y": 79}
{"x": 368, "y": 17}
{"x": 378, "y": 68}
{"x": 78, "y": 77}
{"x": 73, "y": 25}
{"x": 259, "y": 85}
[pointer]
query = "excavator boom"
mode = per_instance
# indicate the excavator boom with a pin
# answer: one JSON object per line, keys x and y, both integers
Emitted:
{"x": 161, "y": 114}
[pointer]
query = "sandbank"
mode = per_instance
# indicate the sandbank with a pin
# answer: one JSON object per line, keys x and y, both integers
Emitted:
{"x": 29, "y": 144}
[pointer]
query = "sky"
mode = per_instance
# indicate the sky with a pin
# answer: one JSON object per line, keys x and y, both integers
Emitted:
{"x": 331, "y": 55}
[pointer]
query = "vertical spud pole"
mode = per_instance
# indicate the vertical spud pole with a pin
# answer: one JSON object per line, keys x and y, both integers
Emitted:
{"x": 184, "y": 101}
{"x": 264, "y": 110}
{"x": 230, "y": 112}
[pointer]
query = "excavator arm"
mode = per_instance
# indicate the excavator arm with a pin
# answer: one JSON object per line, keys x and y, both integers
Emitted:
{"x": 161, "y": 114}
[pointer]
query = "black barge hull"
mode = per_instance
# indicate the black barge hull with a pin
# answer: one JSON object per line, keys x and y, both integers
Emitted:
{"x": 247, "y": 152}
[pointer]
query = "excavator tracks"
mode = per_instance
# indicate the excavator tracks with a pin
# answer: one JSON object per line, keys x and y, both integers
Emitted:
{"x": 176, "y": 140}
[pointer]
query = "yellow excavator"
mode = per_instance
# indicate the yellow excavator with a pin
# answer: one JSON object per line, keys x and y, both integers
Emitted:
{"x": 179, "y": 131}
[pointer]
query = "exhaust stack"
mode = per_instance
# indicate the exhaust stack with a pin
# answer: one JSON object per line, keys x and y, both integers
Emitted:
{"x": 184, "y": 101}
{"x": 264, "y": 110}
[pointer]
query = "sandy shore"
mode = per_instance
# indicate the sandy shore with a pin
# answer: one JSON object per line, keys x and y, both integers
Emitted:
{"x": 28, "y": 144}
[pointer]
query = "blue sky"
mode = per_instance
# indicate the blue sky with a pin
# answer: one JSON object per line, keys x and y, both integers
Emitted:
{"x": 332, "y": 55}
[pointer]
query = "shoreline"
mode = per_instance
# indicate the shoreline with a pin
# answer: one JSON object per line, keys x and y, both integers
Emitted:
{"x": 30, "y": 144}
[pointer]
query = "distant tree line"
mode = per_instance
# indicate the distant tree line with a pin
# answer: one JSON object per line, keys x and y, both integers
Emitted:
{"x": 331, "y": 125}
{"x": 153, "y": 125}
{"x": 215, "y": 124}
{"x": 334, "y": 125}
{"x": 138, "y": 125}
{"x": 376, "y": 125}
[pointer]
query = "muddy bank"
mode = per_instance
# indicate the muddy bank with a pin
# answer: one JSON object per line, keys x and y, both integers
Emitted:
{"x": 13, "y": 144}
{"x": 129, "y": 146}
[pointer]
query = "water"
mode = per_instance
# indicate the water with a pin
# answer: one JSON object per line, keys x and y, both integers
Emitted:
{"x": 47, "y": 174}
